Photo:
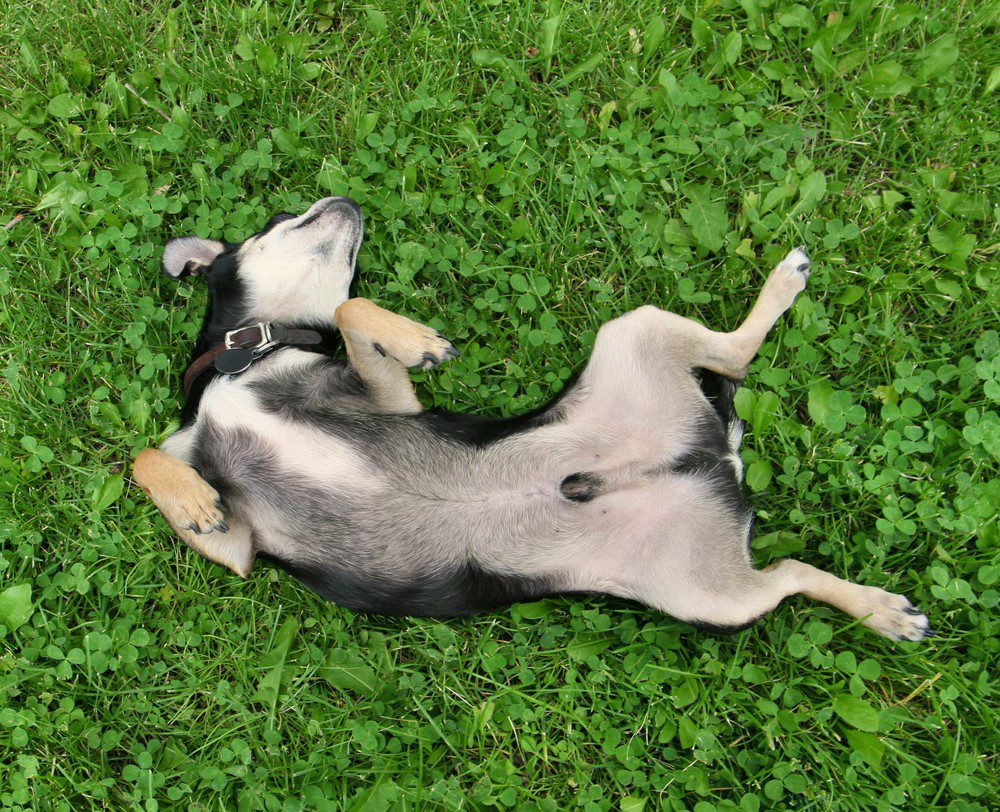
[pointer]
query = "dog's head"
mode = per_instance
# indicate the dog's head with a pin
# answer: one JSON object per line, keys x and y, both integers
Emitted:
{"x": 295, "y": 271}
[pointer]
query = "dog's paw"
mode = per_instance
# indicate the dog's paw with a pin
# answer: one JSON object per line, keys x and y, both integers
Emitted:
{"x": 893, "y": 616}
{"x": 193, "y": 505}
{"x": 796, "y": 264}
{"x": 415, "y": 345}
{"x": 438, "y": 350}
{"x": 793, "y": 271}
{"x": 788, "y": 279}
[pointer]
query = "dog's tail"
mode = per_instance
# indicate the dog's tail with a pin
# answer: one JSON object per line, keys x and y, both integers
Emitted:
{"x": 721, "y": 392}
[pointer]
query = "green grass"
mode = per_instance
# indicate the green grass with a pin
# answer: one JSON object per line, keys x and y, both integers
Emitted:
{"x": 527, "y": 172}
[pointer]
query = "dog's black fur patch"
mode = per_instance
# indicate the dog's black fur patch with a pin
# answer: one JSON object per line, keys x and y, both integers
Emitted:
{"x": 277, "y": 219}
{"x": 468, "y": 589}
{"x": 335, "y": 404}
{"x": 720, "y": 393}
{"x": 710, "y": 461}
{"x": 480, "y": 430}
{"x": 225, "y": 308}
{"x": 711, "y": 458}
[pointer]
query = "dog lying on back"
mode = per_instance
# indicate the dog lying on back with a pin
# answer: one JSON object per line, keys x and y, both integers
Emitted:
{"x": 629, "y": 483}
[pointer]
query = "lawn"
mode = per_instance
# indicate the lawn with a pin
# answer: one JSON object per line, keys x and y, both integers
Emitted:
{"x": 527, "y": 171}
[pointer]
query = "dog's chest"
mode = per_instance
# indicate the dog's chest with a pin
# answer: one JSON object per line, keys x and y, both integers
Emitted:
{"x": 237, "y": 422}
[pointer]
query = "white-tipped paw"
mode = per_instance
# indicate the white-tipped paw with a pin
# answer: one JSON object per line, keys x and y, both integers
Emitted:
{"x": 893, "y": 616}
{"x": 796, "y": 262}
{"x": 788, "y": 279}
{"x": 794, "y": 269}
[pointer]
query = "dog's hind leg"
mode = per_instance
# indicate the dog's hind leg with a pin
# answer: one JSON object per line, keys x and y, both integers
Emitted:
{"x": 738, "y": 599}
{"x": 193, "y": 509}
{"x": 381, "y": 347}
{"x": 729, "y": 354}
{"x": 667, "y": 339}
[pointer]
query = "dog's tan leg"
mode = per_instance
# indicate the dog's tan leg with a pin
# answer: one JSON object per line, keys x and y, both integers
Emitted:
{"x": 737, "y": 349}
{"x": 729, "y": 354}
{"x": 737, "y": 598}
{"x": 192, "y": 508}
{"x": 381, "y": 347}
{"x": 664, "y": 343}
{"x": 890, "y": 615}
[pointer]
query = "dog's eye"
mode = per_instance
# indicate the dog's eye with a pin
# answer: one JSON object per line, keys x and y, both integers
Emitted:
{"x": 277, "y": 219}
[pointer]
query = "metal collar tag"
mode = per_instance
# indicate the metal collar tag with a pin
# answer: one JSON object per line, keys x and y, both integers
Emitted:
{"x": 234, "y": 361}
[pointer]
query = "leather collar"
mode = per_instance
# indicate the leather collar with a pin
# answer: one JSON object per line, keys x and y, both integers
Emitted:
{"x": 242, "y": 347}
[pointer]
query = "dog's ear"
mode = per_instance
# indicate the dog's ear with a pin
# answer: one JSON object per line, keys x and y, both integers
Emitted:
{"x": 189, "y": 255}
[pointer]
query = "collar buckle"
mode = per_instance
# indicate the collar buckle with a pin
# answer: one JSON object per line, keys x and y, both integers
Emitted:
{"x": 256, "y": 338}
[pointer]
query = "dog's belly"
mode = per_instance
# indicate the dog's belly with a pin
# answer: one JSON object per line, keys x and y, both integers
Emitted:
{"x": 379, "y": 512}
{"x": 666, "y": 523}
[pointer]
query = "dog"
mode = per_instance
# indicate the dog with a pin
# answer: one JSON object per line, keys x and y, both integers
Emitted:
{"x": 628, "y": 483}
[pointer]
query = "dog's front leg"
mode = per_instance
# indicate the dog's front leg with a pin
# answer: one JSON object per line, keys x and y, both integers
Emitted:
{"x": 381, "y": 347}
{"x": 193, "y": 509}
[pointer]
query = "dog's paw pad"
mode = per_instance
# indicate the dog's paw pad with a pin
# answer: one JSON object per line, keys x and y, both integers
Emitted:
{"x": 893, "y": 616}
